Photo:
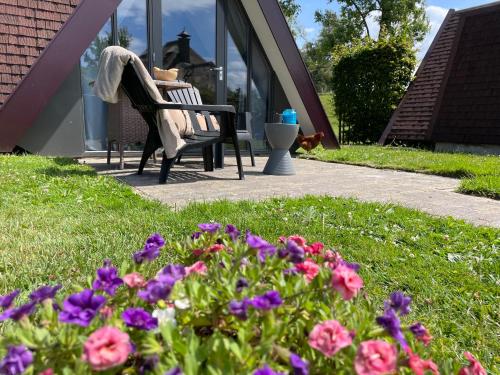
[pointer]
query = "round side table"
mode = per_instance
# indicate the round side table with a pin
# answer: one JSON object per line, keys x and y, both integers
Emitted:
{"x": 281, "y": 138}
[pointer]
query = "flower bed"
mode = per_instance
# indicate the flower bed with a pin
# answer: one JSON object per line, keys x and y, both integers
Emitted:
{"x": 241, "y": 306}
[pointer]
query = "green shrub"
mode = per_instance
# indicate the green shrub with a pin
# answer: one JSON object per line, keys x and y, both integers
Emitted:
{"x": 369, "y": 81}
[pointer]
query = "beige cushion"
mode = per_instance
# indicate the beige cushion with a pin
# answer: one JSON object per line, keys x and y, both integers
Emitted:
{"x": 203, "y": 122}
{"x": 182, "y": 120}
{"x": 165, "y": 75}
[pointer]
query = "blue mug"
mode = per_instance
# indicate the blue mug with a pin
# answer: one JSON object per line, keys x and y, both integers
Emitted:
{"x": 289, "y": 116}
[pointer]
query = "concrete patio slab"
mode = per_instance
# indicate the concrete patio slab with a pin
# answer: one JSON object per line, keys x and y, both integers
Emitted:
{"x": 189, "y": 183}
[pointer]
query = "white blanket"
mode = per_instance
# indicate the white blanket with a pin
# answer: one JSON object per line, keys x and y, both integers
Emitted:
{"x": 111, "y": 65}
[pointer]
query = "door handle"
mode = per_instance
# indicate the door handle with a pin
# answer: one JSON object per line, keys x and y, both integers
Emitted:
{"x": 220, "y": 69}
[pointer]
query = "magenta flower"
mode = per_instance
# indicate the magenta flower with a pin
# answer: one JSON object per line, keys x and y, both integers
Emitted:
{"x": 300, "y": 366}
{"x": 210, "y": 227}
{"x": 7, "y": 300}
{"x": 399, "y": 302}
{"x": 233, "y": 232}
{"x": 17, "y": 360}
{"x": 474, "y": 368}
{"x": 346, "y": 281}
{"x": 391, "y": 323}
{"x": 81, "y": 308}
{"x": 239, "y": 308}
{"x": 421, "y": 333}
{"x": 19, "y": 312}
{"x": 106, "y": 348}
{"x": 45, "y": 292}
{"x": 267, "y": 301}
{"x": 157, "y": 290}
{"x": 107, "y": 279}
{"x": 329, "y": 337}
{"x": 140, "y": 319}
{"x": 376, "y": 357}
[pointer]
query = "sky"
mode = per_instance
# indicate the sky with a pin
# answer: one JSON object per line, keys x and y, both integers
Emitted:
{"x": 436, "y": 11}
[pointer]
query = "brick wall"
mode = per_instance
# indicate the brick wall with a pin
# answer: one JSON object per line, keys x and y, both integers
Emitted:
{"x": 26, "y": 27}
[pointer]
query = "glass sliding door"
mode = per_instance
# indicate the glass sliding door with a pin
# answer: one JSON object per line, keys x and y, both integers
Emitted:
{"x": 95, "y": 110}
{"x": 132, "y": 28}
{"x": 189, "y": 42}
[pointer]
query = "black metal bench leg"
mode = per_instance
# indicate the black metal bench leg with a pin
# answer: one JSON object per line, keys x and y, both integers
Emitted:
{"x": 109, "y": 152}
{"x": 250, "y": 150}
{"x": 179, "y": 158}
{"x": 166, "y": 165}
{"x": 149, "y": 148}
{"x": 238, "y": 156}
{"x": 208, "y": 158}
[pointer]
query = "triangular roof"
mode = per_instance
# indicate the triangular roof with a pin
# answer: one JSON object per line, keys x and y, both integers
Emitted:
{"x": 455, "y": 96}
{"x": 34, "y": 73}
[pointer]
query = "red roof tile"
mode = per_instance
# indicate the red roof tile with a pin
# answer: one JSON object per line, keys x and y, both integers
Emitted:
{"x": 26, "y": 27}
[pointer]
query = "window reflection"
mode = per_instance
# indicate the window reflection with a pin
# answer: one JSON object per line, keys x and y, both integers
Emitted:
{"x": 95, "y": 110}
{"x": 237, "y": 57}
{"x": 259, "y": 92}
{"x": 189, "y": 42}
{"x": 133, "y": 27}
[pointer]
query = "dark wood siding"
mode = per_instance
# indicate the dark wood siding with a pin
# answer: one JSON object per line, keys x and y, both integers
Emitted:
{"x": 412, "y": 120}
{"x": 470, "y": 110}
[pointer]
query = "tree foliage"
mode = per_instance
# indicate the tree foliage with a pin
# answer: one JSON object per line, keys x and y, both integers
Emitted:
{"x": 369, "y": 81}
{"x": 290, "y": 8}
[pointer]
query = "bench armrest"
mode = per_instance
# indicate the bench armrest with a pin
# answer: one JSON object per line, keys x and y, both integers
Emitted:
{"x": 191, "y": 107}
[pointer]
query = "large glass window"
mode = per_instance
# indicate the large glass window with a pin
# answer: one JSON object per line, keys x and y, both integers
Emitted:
{"x": 259, "y": 93}
{"x": 132, "y": 20}
{"x": 189, "y": 43}
{"x": 237, "y": 58}
{"x": 95, "y": 110}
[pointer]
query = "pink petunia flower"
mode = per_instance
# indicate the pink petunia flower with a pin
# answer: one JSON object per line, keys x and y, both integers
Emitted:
{"x": 474, "y": 367}
{"x": 375, "y": 357}
{"x": 106, "y": 348}
{"x": 308, "y": 268}
{"x": 346, "y": 281}
{"x": 315, "y": 248}
{"x": 48, "y": 371}
{"x": 199, "y": 268}
{"x": 216, "y": 248}
{"x": 420, "y": 366}
{"x": 134, "y": 280}
{"x": 329, "y": 337}
{"x": 299, "y": 240}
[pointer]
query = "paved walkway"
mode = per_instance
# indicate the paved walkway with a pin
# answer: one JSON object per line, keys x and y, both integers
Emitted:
{"x": 188, "y": 183}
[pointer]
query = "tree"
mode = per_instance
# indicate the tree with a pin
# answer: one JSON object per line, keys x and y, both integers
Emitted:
{"x": 396, "y": 18}
{"x": 290, "y": 9}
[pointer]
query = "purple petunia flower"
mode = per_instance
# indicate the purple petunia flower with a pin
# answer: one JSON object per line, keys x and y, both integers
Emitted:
{"x": 399, "y": 302}
{"x": 156, "y": 240}
{"x": 150, "y": 252}
{"x": 148, "y": 364}
{"x": 210, "y": 227}
{"x": 107, "y": 279}
{"x": 241, "y": 284}
{"x": 19, "y": 312}
{"x": 174, "y": 371}
{"x": 81, "y": 308}
{"x": 295, "y": 252}
{"x": 418, "y": 330}
{"x": 239, "y": 308}
{"x": 391, "y": 323}
{"x": 267, "y": 301}
{"x": 140, "y": 319}
{"x": 45, "y": 292}
{"x": 300, "y": 366}
{"x": 172, "y": 271}
{"x": 17, "y": 360}
{"x": 157, "y": 290}
{"x": 7, "y": 300}
{"x": 353, "y": 266}
{"x": 265, "y": 248}
{"x": 266, "y": 370}
{"x": 233, "y": 232}
{"x": 196, "y": 235}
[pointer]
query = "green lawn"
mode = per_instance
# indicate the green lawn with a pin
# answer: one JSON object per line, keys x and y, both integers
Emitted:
{"x": 328, "y": 105}
{"x": 480, "y": 174}
{"x": 58, "y": 221}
